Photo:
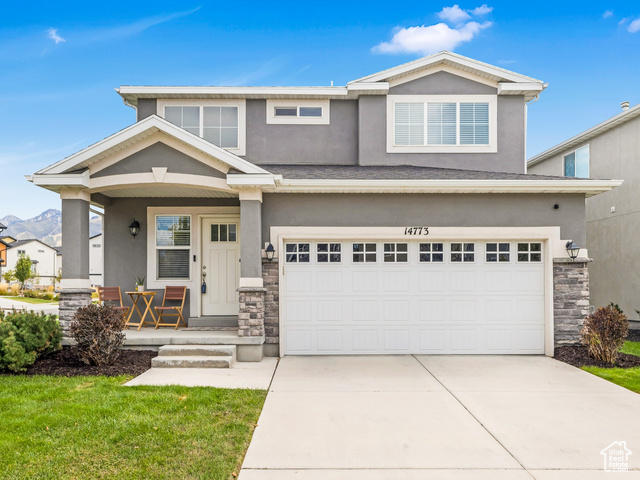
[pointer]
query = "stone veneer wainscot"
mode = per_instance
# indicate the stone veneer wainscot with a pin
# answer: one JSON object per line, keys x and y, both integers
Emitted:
{"x": 570, "y": 299}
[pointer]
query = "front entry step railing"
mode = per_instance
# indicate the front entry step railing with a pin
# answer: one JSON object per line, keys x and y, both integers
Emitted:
{"x": 195, "y": 356}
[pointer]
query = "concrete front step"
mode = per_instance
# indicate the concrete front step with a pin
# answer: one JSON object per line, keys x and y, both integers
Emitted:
{"x": 214, "y": 321}
{"x": 197, "y": 351}
{"x": 192, "y": 361}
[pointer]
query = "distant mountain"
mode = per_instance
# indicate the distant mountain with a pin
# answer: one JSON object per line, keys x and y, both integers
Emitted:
{"x": 46, "y": 227}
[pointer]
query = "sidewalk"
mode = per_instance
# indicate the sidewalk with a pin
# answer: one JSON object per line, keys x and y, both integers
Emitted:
{"x": 49, "y": 308}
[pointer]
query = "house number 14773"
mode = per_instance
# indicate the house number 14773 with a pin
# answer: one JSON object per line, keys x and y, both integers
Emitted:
{"x": 416, "y": 230}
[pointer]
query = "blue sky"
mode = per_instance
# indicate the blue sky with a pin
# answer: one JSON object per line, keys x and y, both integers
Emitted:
{"x": 60, "y": 61}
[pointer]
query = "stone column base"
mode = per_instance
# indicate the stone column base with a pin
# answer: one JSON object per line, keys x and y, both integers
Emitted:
{"x": 570, "y": 299}
{"x": 251, "y": 314}
{"x": 71, "y": 299}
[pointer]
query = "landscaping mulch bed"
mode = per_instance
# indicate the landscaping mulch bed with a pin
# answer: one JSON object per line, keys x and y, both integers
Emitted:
{"x": 65, "y": 363}
{"x": 578, "y": 356}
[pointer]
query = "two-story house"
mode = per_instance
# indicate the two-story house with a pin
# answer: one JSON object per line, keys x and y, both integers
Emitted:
{"x": 396, "y": 209}
{"x": 43, "y": 258}
{"x": 609, "y": 149}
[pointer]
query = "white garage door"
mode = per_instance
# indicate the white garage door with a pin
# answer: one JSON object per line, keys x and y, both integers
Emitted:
{"x": 398, "y": 297}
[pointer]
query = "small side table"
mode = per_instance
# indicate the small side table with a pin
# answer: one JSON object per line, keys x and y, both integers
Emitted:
{"x": 148, "y": 298}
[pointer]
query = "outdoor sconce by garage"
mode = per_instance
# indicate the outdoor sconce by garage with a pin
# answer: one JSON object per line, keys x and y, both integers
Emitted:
{"x": 270, "y": 252}
{"x": 134, "y": 228}
{"x": 573, "y": 250}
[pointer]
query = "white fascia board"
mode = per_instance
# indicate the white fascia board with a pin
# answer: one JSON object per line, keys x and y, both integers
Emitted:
{"x": 508, "y": 88}
{"x": 368, "y": 88}
{"x": 586, "y": 135}
{"x": 151, "y": 125}
{"x": 251, "y": 180}
{"x": 133, "y": 91}
{"x": 66, "y": 180}
{"x": 587, "y": 187}
{"x": 451, "y": 58}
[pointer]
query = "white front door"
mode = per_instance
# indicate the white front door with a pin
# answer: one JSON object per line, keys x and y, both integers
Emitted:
{"x": 220, "y": 265}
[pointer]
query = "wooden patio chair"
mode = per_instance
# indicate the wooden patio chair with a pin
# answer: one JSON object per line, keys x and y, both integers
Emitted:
{"x": 176, "y": 295}
{"x": 113, "y": 297}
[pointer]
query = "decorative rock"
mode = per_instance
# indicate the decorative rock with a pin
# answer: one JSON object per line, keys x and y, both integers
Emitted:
{"x": 270, "y": 277}
{"x": 570, "y": 300}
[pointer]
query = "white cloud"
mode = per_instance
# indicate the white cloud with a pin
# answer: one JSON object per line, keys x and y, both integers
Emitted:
{"x": 53, "y": 35}
{"x": 634, "y": 26}
{"x": 481, "y": 10}
{"x": 623, "y": 21}
{"x": 426, "y": 40}
{"x": 607, "y": 14}
{"x": 454, "y": 14}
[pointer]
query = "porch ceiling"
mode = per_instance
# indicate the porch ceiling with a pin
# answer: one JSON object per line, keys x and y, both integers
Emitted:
{"x": 167, "y": 191}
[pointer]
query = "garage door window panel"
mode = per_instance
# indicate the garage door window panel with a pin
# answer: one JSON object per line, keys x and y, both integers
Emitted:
{"x": 329, "y": 253}
{"x": 529, "y": 252}
{"x": 396, "y": 252}
{"x": 431, "y": 252}
{"x": 297, "y": 252}
{"x": 463, "y": 253}
{"x": 498, "y": 252}
{"x": 365, "y": 253}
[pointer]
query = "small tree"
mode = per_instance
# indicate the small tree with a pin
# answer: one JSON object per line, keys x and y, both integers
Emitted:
{"x": 9, "y": 276}
{"x": 23, "y": 270}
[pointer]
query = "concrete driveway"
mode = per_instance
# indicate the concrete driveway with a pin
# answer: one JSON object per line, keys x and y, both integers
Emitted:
{"x": 445, "y": 417}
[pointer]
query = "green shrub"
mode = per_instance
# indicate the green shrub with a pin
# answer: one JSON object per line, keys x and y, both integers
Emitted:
{"x": 98, "y": 331}
{"x": 31, "y": 294}
{"x": 604, "y": 332}
{"x": 24, "y": 336}
{"x": 616, "y": 306}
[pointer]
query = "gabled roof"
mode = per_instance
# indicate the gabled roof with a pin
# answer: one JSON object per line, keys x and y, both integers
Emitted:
{"x": 136, "y": 132}
{"x": 587, "y": 135}
{"x": 19, "y": 243}
{"x": 508, "y": 82}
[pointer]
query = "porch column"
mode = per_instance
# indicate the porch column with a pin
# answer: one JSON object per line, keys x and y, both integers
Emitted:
{"x": 251, "y": 288}
{"x": 75, "y": 287}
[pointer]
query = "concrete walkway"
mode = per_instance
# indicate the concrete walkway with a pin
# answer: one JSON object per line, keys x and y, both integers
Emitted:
{"x": 445, "y": 417}
{"x": 50, "y": 308}
{"x": 251, "y": 375}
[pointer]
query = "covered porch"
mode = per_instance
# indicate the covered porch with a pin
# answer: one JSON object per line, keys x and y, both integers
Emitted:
{"x": 198, "y": 227}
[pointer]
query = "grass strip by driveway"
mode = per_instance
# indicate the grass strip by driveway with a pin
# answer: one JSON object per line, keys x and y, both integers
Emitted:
{"x": 625, "y": 377}
{"x": 34, "y": 301}
{"x": 93, "y": 428}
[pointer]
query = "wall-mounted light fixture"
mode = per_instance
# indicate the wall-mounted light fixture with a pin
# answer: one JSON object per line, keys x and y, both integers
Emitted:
{"x": 572, "y": 249}
{"x": 134, "y": 228}
{"x": 270, "y": 252}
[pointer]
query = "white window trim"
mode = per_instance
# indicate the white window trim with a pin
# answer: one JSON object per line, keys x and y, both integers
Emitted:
{"x": 564, "y": 157}
{"x": 242, "y": 116}
{"x": 297, "y": 120}
{"x": 492, "y": 100}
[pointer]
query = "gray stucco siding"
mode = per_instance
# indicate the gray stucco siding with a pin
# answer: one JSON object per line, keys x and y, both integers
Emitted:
{"x": 442, "y": 83}
{"x": 435, "y": 210}
{"x": 75, "y": 248}
{"x": 510, "y": 156}
{"x": 146, "y": 108}
{"x": 159, "y": 155}
{"x": 333, "y": 144}
{"x": 125, "y": 258}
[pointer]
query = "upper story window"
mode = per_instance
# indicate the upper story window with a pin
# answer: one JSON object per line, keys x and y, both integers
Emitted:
{"x": 221, "y": 122}
{"x": 576, "y": 164}
{"x": 301, "y": 112}
{"x": 441, "y": 123}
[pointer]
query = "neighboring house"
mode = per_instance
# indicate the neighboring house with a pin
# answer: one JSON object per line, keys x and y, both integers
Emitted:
{"x": 42, "y": 256}
{"x": 610, "y": 149}
{"x": 3, "y": 256}
{"x": 96, "y": 265}
{"x": 398, "y": 207}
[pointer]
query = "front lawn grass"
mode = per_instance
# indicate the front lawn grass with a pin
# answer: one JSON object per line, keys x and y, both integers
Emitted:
{"x": 94, "y": 428}
{"x": 31, "y": 300}
{"x": 625, "y": 377}
{"x": 632, "y": 348}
